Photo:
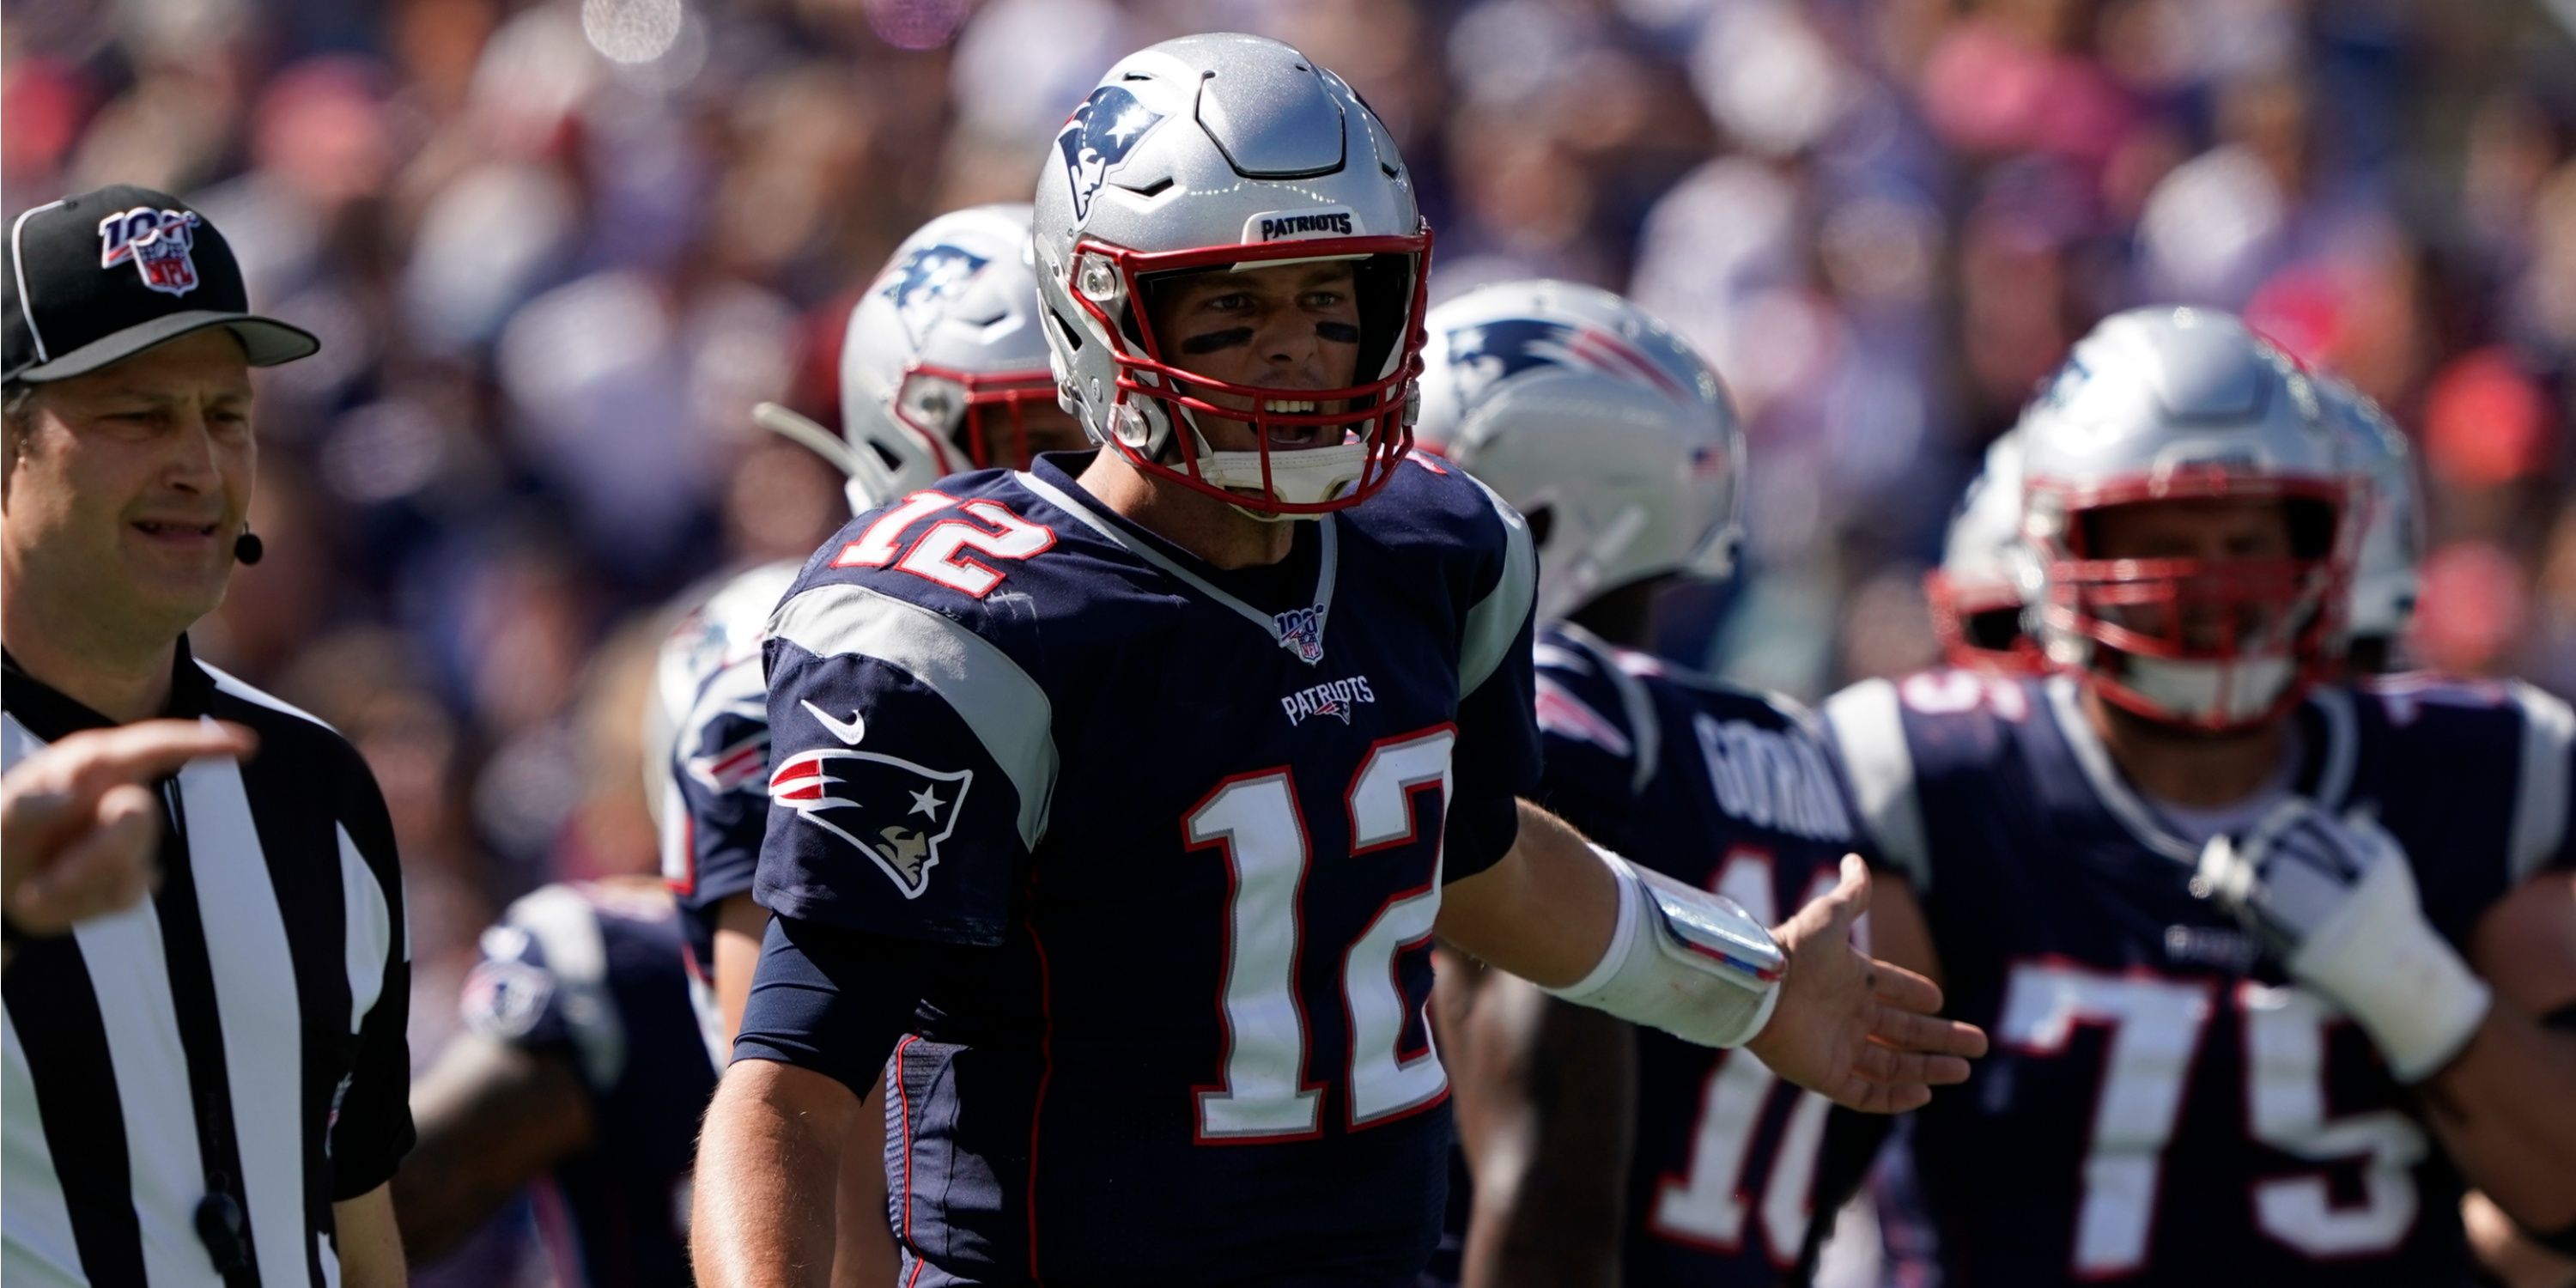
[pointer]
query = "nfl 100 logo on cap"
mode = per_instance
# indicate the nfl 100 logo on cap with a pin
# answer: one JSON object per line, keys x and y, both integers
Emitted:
{"x": 96, "y": 278}
{"x": 156, "y": 242}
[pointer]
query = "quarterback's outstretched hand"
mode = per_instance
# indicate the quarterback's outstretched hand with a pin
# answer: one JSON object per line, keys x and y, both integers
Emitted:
{"x": 1859, "y": 1031}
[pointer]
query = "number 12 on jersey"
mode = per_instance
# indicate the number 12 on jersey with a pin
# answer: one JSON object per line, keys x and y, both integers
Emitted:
{"x": 1255, "y": 821}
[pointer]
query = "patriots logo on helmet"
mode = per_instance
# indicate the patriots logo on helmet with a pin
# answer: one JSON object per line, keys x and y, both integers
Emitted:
{"x": 895, "y": 812}
{"x": 157, "y": 242}
{"x": 1495, "y": 351}
{"x": 925, "y": 281}
{"x": 1102, "y": 132}
{"x": 1301, "y": 631}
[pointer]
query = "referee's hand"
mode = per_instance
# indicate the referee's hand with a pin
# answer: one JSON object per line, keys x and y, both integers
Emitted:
{"x": 78, "y": 828}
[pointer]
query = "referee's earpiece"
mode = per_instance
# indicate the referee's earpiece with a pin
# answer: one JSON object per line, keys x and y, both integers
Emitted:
{"x": 247, "y": 548}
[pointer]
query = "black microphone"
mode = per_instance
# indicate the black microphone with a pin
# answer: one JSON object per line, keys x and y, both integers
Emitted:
{"x": 247, "y": 548}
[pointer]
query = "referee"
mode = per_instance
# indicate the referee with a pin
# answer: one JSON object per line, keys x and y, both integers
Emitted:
{"x": 209, "y": 1087}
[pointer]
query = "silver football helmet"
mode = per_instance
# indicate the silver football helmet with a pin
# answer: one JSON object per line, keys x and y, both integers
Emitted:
{"x": 1976, "y": 600}
{"x": 1595, "y": 420}
{"x": 2387, "y": 571}
{"x": 945, "y": 354}
{"x": 1229, "y": 153}
{"x": 2176, "y": 404}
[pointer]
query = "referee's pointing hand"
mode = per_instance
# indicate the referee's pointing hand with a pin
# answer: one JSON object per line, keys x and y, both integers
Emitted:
{"x": 78, "y": 827}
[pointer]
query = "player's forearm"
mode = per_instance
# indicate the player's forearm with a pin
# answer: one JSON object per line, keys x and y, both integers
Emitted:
{"x": 2503, "y": 1112}
{"x": 740, "y": 925}
{"x": 369, "y": 1244}
{"x": 1547, "y": 1115}
{"x": 1545, "y": 912}
{"x": 767, "y": 1168}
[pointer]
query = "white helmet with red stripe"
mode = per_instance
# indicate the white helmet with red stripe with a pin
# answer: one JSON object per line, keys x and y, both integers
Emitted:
{"x": 945, "y": 352}
{"x": 1229, "y": 153}
{"x": 2162, "y": 405}
{"x": 2387, "y": 568}
{"x": 1975, "y": 597}
{"x": 1597, "y": 422}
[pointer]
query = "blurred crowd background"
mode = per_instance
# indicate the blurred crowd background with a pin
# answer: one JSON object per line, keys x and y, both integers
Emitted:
{"x": 557, "y": 248}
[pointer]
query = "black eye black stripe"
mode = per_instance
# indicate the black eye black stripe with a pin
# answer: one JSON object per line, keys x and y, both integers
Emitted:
{"x": 1216, "y": 341}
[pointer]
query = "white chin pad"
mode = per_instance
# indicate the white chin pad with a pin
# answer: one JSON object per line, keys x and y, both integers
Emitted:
{"x": 2232, "y": 691}
{"x": 1685, "y": 961}
{"x": 1298, "y": 476}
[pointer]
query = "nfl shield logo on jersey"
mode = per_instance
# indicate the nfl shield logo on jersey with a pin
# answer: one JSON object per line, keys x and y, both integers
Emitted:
{"x": 156, "y": 241}
{"x": 894, "y": 811}
{"x": 925, "y": 281}
{"x": 1102, "y": 132}
{"x": 1301, "y": 631}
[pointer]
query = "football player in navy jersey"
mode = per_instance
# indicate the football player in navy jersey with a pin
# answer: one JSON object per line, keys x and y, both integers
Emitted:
{"x": 580, "y": 1072}
{"x": 943, "y": 368}
{"x": 1119, "y": 808}
{"x": 2272, "y": 965}
{"x": 1617, "y": 443}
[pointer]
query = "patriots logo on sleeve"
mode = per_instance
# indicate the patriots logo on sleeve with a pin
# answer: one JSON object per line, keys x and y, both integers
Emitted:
{"x": 925, "y": 281}
{"x": 893, "y": 811}
{"x": 1495, "y": 351}
{"x": 1102, "y": 132}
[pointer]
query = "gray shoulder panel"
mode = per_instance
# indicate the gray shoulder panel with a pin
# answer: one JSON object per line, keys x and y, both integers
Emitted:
{"x": 1495, "y": 621}
{"x": 1869, "y": 730}
{"x": 1008, "y": 710}
{"x": 2540, "y": 796}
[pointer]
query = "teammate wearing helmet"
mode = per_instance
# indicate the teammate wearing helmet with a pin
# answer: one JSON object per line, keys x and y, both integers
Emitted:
{"x": 1119, "y": 811}
{"x": 943, "y": 368}
{"x": 2386, "y": 571}
{"x": 1619, "y": 445}
{"x": 1975, "y": 599}
{"x": 2165, "y": 874}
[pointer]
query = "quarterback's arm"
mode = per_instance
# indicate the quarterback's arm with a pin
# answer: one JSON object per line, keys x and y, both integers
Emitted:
{"x": 1602, "y": 933}
{"x": 492, "y": 1117}
{"x": 865, "y": 1253}
{"x": 827, "y": 1006}
{"x": 370, "y": 1247}
{"x": 1545, "y": 1094}
{"x": 2502, "y": 1107}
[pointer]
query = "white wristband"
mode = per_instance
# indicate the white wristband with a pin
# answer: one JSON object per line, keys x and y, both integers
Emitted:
{"x": 1686, "y": 961}
{"x": 2402, "y": 982}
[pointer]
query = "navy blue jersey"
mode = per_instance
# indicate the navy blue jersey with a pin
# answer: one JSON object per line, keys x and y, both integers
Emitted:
{"x": 2161, "y": 1106}
{"x": 591, "y": 972}
{"x": 1731, "y": 791}
{"x": 710, "y": 736}
{"x": 1194, "y": 819}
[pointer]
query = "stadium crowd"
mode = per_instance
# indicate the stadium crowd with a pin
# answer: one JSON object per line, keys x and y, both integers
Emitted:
{"x": 557, "y": 250}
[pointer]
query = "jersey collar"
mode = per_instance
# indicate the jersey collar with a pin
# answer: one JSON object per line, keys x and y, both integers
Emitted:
{"x": 2324, "y": 775}
{"x": 1073, "y": 501}
{"x": 53, "y": 715}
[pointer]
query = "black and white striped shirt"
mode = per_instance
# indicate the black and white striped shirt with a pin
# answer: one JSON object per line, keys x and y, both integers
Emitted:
{"x": 243, "y": 1028}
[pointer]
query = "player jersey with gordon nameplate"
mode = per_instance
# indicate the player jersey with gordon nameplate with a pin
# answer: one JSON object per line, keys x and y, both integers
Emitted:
{"x": 2160, "y": 1105}
{"x": 714, "y": 770}
{"x": 1194, "y": 820}
{"x": 1728, "y": 790}
{"x": 591, "y": 972}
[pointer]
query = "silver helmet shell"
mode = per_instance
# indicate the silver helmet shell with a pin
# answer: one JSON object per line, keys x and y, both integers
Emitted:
{"x": 2181, "y": 404}
{"x": 946, "y": 347}
{"x": 1974, "y": 596}
{"x": 1578, "y": 406}
{"x": 2387, "y": 572}
{"x": 1228, "y": 152}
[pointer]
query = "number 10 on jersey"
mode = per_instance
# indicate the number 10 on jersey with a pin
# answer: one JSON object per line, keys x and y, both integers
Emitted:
{"x": 1255, "y": 821}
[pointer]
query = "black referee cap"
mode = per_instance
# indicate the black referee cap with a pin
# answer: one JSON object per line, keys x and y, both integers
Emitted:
{"x": 96, "y": 278}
